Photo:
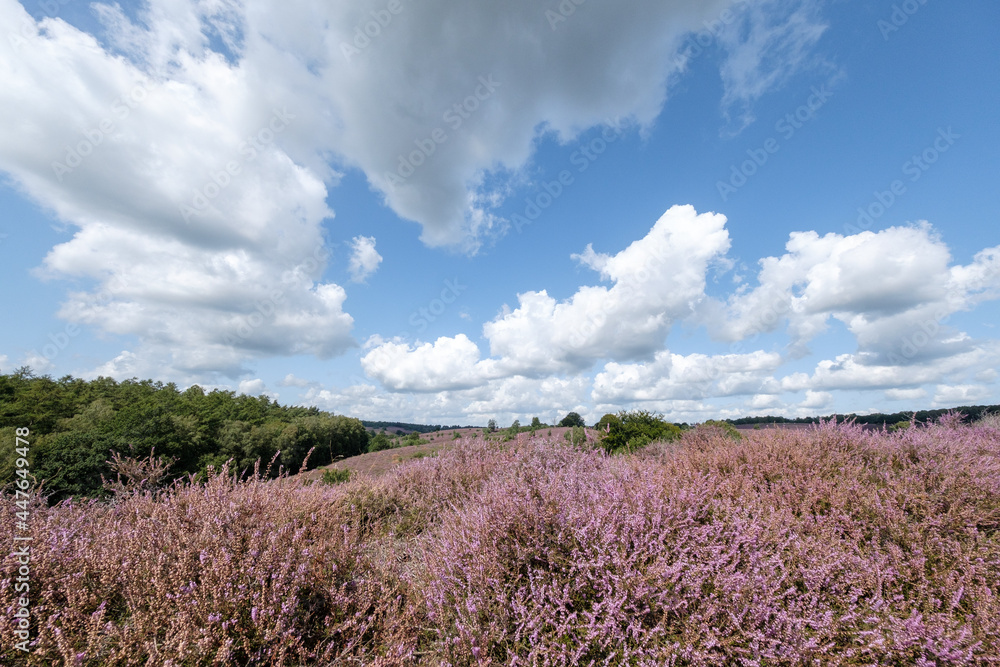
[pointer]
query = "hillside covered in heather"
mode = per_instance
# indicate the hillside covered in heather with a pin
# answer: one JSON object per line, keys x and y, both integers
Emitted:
{"x": 830, "y": 546}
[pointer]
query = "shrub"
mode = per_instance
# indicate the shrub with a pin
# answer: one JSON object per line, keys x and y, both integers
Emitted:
{"x": 378, "y": 442}
{"x": 333, "y": 476}
{"x": 412, "y": 439}
{"x": 576, "y": 436}
{"x": 727, "y": 429}
{"x": 629, "y": 431}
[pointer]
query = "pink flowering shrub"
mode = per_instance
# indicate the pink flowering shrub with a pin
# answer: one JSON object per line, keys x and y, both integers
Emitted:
{"x": 825, "y": 547}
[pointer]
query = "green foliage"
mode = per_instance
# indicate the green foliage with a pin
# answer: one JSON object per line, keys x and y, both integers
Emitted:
{"x": 636, "y": 429}
{"x": 334, "y": 476}
{"x": 397, "y": 426}
{"x": 899, "y": 426}
{"x": 76, "y": 425}
{"x": 412, "y": 439}
{"x": 731, "y": 431}
{"x": 576, "y": 436}
{"x": 536, "y": 423}
{"x": 491, "y": 426}
{"x": 572, "y": 419}
{"x": 606, "y": 422}
{"x": 378, "y": 442}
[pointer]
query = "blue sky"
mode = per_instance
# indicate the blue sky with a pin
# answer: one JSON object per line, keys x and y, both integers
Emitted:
{"x": 508, "y": 210}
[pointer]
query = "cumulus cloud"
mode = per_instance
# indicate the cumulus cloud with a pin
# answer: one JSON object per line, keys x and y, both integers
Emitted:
{"x": 192, "y": 148}
{"x": 255, "y": 387}
{"x": 291, "y": 380}
{"x": 685, "y": 377}
{"x": 906, "y": 394}
{"x": 655, "y": 282}
{"x": 893, "y": 290}
{"x": 364, "y": 258}
{"x": 447, "y": 363}
{"x": 196, "y": 231}
{"x": 816, "y": 400}
{"x": 964, "y": 394}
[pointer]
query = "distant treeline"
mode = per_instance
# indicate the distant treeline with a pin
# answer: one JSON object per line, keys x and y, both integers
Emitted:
{"x": 971, "y": 412}
{"x": 75, "y": 425}
{"x": 392, "y": 427}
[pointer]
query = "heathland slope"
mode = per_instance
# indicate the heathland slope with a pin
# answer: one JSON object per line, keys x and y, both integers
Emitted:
{"x": 829, "y": 547}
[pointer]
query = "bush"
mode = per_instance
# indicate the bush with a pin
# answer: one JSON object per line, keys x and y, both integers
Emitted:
{"x": 728, "y": 429}
{"x": 412, "y": 439}
{"x": 629, "y": 431}
{"x": 334, "y": 476}
{"x": 378, "y": 442}
{"x": 575, "y": 436}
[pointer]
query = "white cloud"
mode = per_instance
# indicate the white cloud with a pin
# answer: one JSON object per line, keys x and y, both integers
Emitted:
{"x": 255, "y": 387}
{"x": 199, "y": 179}
{"x": 656, "y": 281}
{"x": 893, "y": 290}
{"x": 685, "y": 377}
{"x": 448, "y": 363}
{"x": 372, "y": 102}
{"x": 906, "y": 394}
{"x": 201, "y": 241}
{"x": 947, "y": 396}
{"x": 364, "y": 258}
{"x": 38, "y": 363}
{"x": 816, "y": 400}
{"x": 763, "y": 402}
{"x": 772, "y": 41}
{"x": 291, "y": 381}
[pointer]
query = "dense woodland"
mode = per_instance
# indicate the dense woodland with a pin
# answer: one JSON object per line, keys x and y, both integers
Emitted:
{"x": 76, "y": 425}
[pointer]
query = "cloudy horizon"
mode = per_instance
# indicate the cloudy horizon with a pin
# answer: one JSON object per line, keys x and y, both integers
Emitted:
{"x": 445, "y": 213}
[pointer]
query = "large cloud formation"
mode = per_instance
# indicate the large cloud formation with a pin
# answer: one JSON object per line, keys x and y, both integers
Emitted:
{"x": 192, "y": 144}
{"x": 894, "y": 291}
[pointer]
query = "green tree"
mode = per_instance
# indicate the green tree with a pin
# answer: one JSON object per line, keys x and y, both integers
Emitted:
{"x": 572, "y": 419}
{"x": 378, "y": 442}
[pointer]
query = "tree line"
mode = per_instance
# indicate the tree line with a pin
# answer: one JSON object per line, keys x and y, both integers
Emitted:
{"x": 76, "y": 425}
{"x": 972, "y": 413}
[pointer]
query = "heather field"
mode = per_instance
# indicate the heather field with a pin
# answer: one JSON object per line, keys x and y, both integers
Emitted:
{"x": 824, "y": 547}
